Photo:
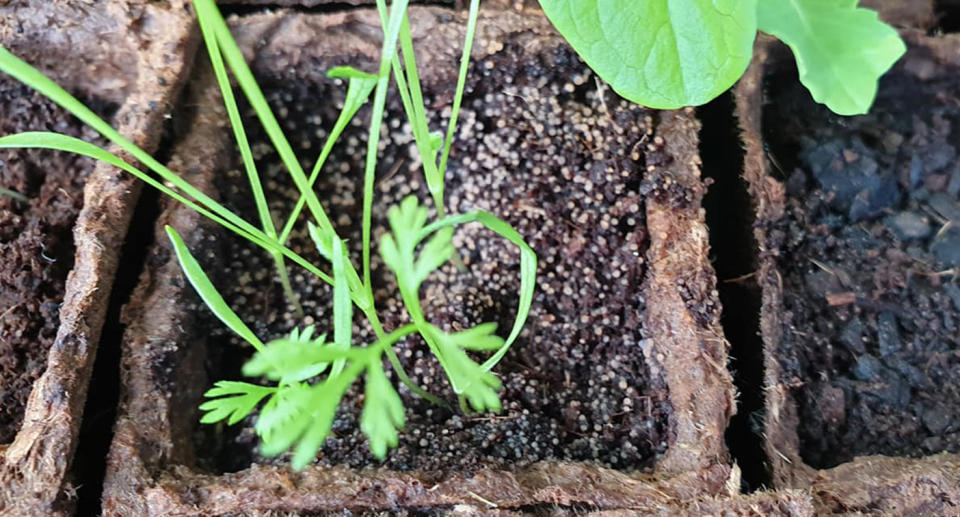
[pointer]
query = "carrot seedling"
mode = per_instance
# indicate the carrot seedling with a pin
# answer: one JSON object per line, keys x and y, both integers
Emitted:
{"x": 309, "y": 375}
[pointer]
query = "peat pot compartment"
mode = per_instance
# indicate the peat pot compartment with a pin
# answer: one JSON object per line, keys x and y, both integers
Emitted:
{"x": 37, "y": 216}
{"x": 582, "y": 175}
{"x": 63, "y": 220}
{"x": 534, "y": 147}
{"x": 869, "y": 249}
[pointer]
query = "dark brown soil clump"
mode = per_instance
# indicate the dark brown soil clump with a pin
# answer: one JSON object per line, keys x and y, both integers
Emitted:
{"x": 869, "y": 251}
{"x": 542, "y": 146}
{"x": 35, "y": 243}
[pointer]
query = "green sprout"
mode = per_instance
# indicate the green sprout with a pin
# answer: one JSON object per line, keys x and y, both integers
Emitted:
{"x": 305, "y": 376}
{"x": 13, "y": 194}
{"x": 667, "y": 54}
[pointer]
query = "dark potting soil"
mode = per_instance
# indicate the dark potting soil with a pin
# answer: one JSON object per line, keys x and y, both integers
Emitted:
{"x": 540, "y": 146}
{"x": 869, "y": 261}
{"x": 36, "y": 246}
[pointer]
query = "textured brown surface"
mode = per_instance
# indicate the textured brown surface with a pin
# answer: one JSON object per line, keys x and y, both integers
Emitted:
{"x": 682, "y": 314}
{"x": 877, "y": 485}
{"x": 35, "y": 241}
{"x": 916, "y": 14}
{"x": 784, "y": 503}
{"x": 768, "y": 196}
{"x": 871, "y": 485}
{"x": 149, "y": 470}
{"x": 132, "y": 55}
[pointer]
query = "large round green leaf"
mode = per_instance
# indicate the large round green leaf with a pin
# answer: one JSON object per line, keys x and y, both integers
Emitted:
{"x": 841, "y": 49}
{"x": 661, "y": 53}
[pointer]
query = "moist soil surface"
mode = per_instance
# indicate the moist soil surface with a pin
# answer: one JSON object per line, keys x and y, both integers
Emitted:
{"x": 540, "y": 146}
{"x": 869, "y": 255}
{"x": 36, "y": 243}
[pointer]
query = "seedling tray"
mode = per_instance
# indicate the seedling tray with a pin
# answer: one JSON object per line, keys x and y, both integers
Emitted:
{"x": 858, "y": 322}
{"x": 626, "y": 311}
{"x": 60, "y": 244}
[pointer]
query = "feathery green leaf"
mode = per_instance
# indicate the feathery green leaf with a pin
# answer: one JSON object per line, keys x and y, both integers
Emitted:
{"x": 232, "y": 401}
{"x": 382, "y": 410}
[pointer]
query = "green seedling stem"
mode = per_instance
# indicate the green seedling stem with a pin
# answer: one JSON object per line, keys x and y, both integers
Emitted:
{"x": 246, "y": 155}
{"x": 14, "y": 195}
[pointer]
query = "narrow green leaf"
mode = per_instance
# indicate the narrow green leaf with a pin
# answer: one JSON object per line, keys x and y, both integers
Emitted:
{"x": 411, "y": 97}
{"x": 236, "y": 122}
{"x": 246, "y": 154}
{"x": 324, "y": 243}
{"x": 391, "y": 30}
{"x": 461, "y": 84}
{"x": 207, "y": 9}
{"x": 342, "y": 307}
{"x": 14, "y": 195}
{"x": 349, "y": 72}
{"x": 841, "y": 49}
{"x": 30, "y": 76}
{"x": 428, "y": 143}
{"x": 208, "y": 293}
{"x": 528, "y": 269}
{"x": 359, "y": 88}
{"x": 58, "y": 142}
{"x": 23, "y": 72}
{"x": 55, "y": 141}
{"x": 664, "y": 54}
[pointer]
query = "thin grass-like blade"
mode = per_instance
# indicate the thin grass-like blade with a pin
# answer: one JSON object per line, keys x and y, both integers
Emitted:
{"x": 391, "y": 30}
{"x": 342, "y": 307}
{"x": 461, "y": 84}
{"x": 528, "y": 269}
{"x": 359, "y": 88}
{"x": 208, "y": 293}
{"x": 14, "y": 195}
{"x": 248, "y": 83}
{"x": 30, "y": 76}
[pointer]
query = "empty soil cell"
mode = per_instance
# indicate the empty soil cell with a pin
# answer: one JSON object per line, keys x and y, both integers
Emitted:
{"x": 615, "y": 396}
{"x": 857, "y": 264}
{"x": 60, "y": 230}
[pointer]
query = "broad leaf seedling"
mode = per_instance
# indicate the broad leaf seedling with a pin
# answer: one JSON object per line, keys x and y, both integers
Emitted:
{"x": 667, "y": 54}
